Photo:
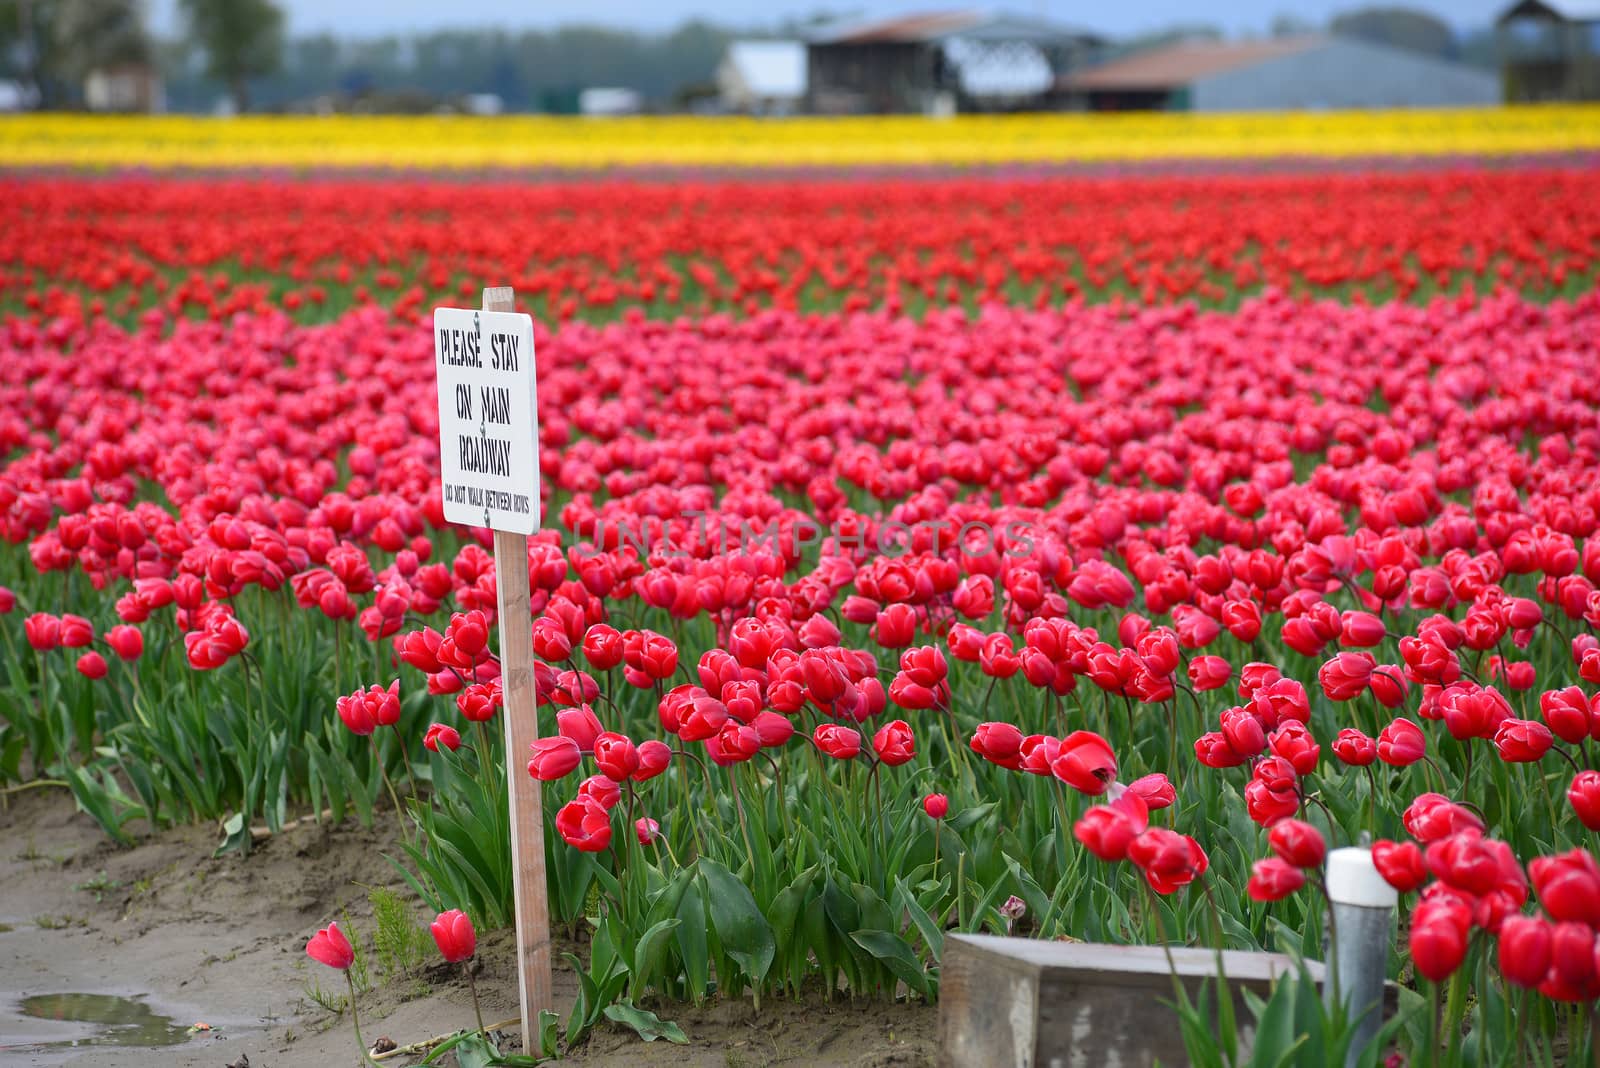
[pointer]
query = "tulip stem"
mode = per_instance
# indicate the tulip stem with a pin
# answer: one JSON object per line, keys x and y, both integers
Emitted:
{"x": 1567, "y": 757}
{"x": 484, "y": 766}
{"x": 1333, "y": 824}
{"x": 399, "y": 813}
{"x": 366, "y": 1056}
{"x": 1372, "y": 801}
{"x": 688, "y": 806}
{"x": 1332, "y": 952}
{"x": 1454, "y": 1006}
{"x": 1522, "y": 1035}
{"x": 744, "y": 827}
{"x": 1549, "y": 802}
{"x": 411, "y": 776}
{"x": 472, "y": 985}
{"x": 1433, "y": 1022}
{"x": 33, "y": 784}
{"x": 1172, "y": 735}
{"x": 783, "y": 803}
{"x": 983, "y": 709}
{"x": 1426, "y": 759}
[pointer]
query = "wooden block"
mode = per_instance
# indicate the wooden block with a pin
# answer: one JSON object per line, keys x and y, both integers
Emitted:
{"x": 1022, "y": 1002}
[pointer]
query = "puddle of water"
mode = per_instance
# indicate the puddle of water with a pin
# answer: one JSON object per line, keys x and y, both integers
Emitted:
{"x": 117, "y": 1021}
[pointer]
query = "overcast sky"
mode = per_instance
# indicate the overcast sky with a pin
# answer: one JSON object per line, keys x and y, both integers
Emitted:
{"x": 364, "y": 18}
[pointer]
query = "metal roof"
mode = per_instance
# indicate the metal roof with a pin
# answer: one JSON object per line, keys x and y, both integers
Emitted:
{"x": 1565, "y": 10}
{"x": 770, "y": 68}
{"x": 930, "y": 26}
{"x": 1189, "y": 61}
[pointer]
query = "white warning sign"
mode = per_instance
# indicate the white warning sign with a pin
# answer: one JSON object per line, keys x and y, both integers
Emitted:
{"x": 488, "y": 418}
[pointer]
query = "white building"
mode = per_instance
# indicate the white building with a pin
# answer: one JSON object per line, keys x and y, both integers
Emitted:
{"x": 609, "y": 101}
{"x": 128, "y": 87}
{"x": 763, "y": 77}
{"x": 1310, "y": 73}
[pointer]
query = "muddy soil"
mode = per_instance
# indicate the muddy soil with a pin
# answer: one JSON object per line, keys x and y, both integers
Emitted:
{"x": 191, "y": 939}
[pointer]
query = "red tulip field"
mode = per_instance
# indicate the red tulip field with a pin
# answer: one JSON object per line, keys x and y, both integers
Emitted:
{"x": 1064, "y": 556}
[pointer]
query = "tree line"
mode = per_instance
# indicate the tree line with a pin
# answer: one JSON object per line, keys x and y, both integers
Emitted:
{"x": 239, "y": 48}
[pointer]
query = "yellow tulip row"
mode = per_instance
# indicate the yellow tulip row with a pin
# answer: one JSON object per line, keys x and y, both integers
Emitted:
{"x": 449, "y": 143}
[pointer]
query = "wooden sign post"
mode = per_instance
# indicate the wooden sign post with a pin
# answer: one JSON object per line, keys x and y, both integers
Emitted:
{"x": 488, "y": 441}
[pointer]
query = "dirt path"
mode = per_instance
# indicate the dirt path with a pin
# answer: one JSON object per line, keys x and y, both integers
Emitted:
{"x": 221, "y": 941}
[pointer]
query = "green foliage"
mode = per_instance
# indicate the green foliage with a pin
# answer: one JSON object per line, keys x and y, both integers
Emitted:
{"x": 1291, "y": 1028}
{"x": 401, "y": 943}
{"x": 242, "y": 39}
{"x": 646, "y": 1024}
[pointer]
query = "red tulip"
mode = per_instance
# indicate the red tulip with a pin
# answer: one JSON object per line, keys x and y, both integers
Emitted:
{"x": 1085, "y": 763}
{"x": 936, "y": 805}
{"x": 1569, "y": 714}
{"x": 602, "y": 647}
{"x": 581, "y": 725}
{"x": 1209, "y": 673}
{"x": 998, "y": 743}
{"x": 1243, "y": 732}
{"x": 1108, "y": 830}
{"x": 654, "y": 757}
{"x": 1155, "y": 790}
{"x": 43, "y": 631}
{"x": 584, "y": 824}
{"x": 1438, "y": 941}
{"x": 1170, "y": 861}
{"x": 554, "y": 758}
{"x": 1361, "y": 630}
{"x": 896, "y": 626}
{"x": 1568, "y": 886}
{"x": 1344, "y": 677}
{"x": 1464, "y": 862}
{"x": 602, "y": 789}
{"x": 1431, "y": 817}
{"x": 1212, "y": 750}
{"x": 92, "y": 665}
{"x": 1273, "y": 879}
{"x": 76, "y": 632}
{"x": 1266, "y": 805}
{"x": 1524, "y": 950}
{"x": 453, "y": 934}
{"x": 772, "y": 729}
{"x": 1389, "y": 685}
{"x": 1584, "y": 796}
{"x": 615, "y": 756}
{"x": 1401, "y": 743}
{"x": 1355, "y": 748}
{"x": 329, "y": 946}
{"x": 894, "y": 743}
{"x": 1298, "y": 843}
{"x": 1522, "y": 741}
{"x": 1294, "y": 743}
{"x": 480, "y": 701}
{"x": 1400, "y": 864}
{"x": 839, "y": 742}
{"x": 127, "y": 642}
{"x": 441, "y": 737}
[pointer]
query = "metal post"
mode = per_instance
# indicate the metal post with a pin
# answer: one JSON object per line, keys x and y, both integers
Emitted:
{"x": 1363, "y": 918}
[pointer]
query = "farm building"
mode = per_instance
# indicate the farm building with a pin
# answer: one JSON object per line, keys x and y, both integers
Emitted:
{"x": 1550, "y": 50}
{"x": 942, "y": 62}
{"x": 763, "y": 77}
{"x": 1294, "y": 73}
{"x": 124, "y": 87}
